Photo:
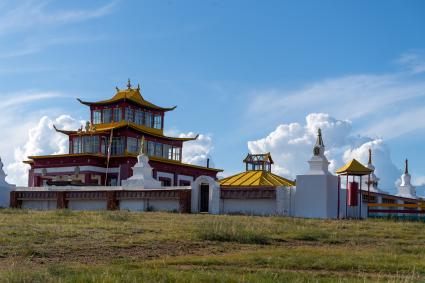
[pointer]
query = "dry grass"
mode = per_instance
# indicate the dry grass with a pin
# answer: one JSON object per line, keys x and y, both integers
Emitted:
{"x": 66, "y": 246}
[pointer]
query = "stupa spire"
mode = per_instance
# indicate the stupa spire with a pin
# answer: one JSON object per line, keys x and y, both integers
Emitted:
{"x": 406, "y": 166}
{"x": 319, "y": 141}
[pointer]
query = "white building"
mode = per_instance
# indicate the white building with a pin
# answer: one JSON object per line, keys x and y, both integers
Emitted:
{"x": 5, "y": 188}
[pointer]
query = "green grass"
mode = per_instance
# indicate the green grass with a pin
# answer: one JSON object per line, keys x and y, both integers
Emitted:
{"x": 69, "y": 246}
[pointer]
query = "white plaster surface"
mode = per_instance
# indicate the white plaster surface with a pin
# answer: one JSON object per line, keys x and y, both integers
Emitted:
{"x": 250, "y": 206}
{"x": 164, "y": 205}
{"x": 39, "y": 204}
{"x": 87, "y": 204}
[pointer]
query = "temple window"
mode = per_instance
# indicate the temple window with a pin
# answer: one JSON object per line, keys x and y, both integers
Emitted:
{"x": 138, "y": 117}
{"x": 148, "y": 119}
{"x": 117, "y": 147}
{"x": 107, "y": 115}
{"x": 132, "y": 145}
{"x": 158, "y": 149}
{"x": 176, "y": 153}
{"x": 151, "y": 148}
{"x": 157, "y": 124}
{"x": 76, "y": 145}
{"x": 166, "y": 151}
{"x": 129, "y": 114}
{"x": 117, "y": 114}
{"x": 97, "y": 116}
{"x": 90, "y": 144}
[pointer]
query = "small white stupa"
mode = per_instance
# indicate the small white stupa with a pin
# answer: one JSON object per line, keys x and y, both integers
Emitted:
{"x": 317, "y": 190}
{"x": 142, "y": 173}
{"x": 405, "y": 189}
{"x": 319, "y": 163}
{"x": 5, "y": 188}
{"x": 374, "y": 180}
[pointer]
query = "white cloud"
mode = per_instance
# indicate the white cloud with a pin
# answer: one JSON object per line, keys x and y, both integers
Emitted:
{"x": 198, "y": 151}
{"x": 42, "y": 140}
{"x": 291, "y": 146}
{"x": 29, "y": 15}
{"x": 413, "y": 60}
{"x": 360, "y": 98}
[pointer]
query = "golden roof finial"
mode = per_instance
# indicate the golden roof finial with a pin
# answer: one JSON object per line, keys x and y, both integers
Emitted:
{"x": 138, "y": 87}
{"x": 118, "y": 90}
{"x": 129, "y": 84}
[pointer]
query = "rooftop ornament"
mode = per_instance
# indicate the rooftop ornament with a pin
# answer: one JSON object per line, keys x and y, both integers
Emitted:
{"x": 258, "y": 162}
{"x": 354, "y": 169}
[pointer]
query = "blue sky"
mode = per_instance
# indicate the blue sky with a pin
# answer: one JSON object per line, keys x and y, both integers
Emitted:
{"x": 236, "y": 69}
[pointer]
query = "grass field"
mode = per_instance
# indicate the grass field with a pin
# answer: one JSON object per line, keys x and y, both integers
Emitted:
{"x": 65, "y": 246}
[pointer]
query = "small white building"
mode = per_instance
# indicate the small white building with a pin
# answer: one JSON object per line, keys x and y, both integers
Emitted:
{"x": 5, "y": 188}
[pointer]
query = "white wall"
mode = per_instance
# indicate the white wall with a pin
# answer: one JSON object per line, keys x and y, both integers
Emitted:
{"x": 133, "y": 204}
{"x": 249, "y": 206}
{"x": 5, "y": 196}
{"x": 39, "y": 204}
{"x": 87, "y": 204}
{"x": 164, "y": 205}
{"x": 316, "y": 196}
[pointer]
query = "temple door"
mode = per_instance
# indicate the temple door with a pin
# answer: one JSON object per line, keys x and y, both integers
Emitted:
{"x": 204, "y": 198}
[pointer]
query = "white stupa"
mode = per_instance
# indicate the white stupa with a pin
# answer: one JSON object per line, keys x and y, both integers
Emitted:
{"x": 374, "y": 180}
{"x": 142, "y": 173}
{"x": 5, "y": 188}
{"x": 316, "y": 191}
{"x": 405, "y": 189}
{"x": 319, "y": 163}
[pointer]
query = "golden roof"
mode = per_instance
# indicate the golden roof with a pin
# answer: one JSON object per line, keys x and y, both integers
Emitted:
{"x": 257, "y": 178}
{"x": 354, "y": 168}
{"x": 129, "y": 94}
{"x": 105, "y": 128}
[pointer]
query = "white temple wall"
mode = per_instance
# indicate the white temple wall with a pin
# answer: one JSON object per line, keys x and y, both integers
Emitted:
{"x": 87, "y": 204}
{"x": 39, "y": 204}
{"x": 133, "y": 205}
{"x": 170, "y": 205}
{"x": 249, "y": 206}
{"x": 5, "y": 196}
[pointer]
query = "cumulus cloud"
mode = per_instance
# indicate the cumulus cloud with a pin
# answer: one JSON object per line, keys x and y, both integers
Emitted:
{"x": 42, "y": 140}
{"x": 359, "y": 98}
{"x": 198, "y": 151}
{"x": 291, "y": 147}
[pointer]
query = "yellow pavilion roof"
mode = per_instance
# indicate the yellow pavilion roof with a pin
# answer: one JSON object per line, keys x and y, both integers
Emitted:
{"x": 354, "y": 168}
{"x": 257, "y": 178}
{"x": 129, "y": 94}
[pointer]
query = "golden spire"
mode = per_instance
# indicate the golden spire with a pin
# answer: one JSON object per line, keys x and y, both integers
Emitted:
{"x": 129, "y": 84}
{"x": 142, "y": 145}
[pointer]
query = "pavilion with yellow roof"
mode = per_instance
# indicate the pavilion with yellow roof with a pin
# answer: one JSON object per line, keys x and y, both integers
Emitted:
{"x": 257, "y": 175}
{"x": 105, "y": 150}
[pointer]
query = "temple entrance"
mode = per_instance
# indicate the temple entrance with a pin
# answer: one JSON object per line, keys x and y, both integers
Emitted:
{"x": 204, "y": 198}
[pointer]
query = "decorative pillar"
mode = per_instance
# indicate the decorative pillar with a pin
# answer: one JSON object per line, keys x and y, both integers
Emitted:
{"x": 184, "y": 201}
{"x": 61, "y": 202}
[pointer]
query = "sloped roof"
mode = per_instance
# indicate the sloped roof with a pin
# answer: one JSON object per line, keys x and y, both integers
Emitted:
{"x": 258, "y": 158}
{"x": 105, "y": 128}
{"x": 257, "y": 178}
{"x": 129, "y": 94}
{"x": 354, "y": 168}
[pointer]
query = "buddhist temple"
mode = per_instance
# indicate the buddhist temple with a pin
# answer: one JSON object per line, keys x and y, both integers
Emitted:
{"x": 104, "y": 151}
